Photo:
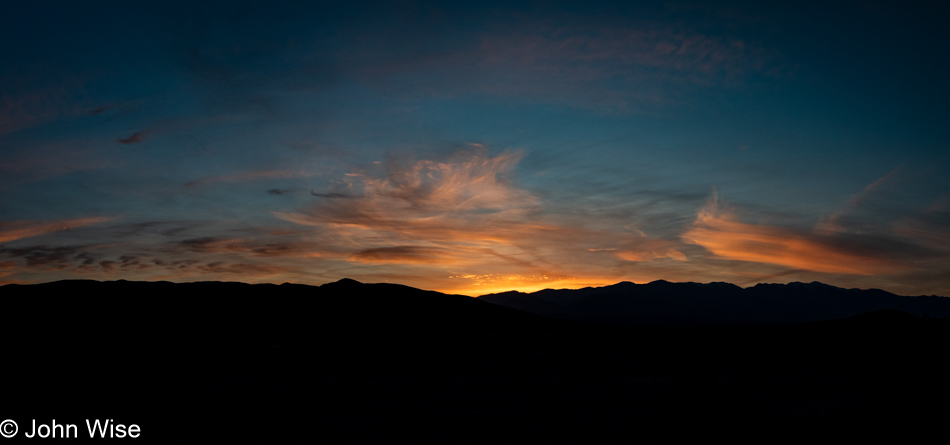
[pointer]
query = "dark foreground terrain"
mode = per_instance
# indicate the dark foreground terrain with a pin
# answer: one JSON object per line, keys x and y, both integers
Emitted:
{"x": 358, "y": 363}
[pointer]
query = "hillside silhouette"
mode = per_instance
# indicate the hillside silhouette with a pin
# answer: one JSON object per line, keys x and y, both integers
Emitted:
{"x": 665, "y": 303}
{"x": 349, "y": 362}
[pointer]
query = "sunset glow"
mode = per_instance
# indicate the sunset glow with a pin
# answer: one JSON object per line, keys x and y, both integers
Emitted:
{"x": 473, "y": 148}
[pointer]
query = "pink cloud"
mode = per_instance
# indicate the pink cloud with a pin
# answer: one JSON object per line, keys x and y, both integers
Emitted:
{"x": 726, "y": 237}
{"x": 11, "y": 231}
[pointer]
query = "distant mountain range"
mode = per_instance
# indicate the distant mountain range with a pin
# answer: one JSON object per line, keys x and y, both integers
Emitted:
{"x": 355, "y": 363}
{"x": 348, "y": 308}
{"x": 665, "y": 303}
{"x": 236, "y": 312}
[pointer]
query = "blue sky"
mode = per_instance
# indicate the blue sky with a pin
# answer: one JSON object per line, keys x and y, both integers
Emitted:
{"x": 476, "y": 147}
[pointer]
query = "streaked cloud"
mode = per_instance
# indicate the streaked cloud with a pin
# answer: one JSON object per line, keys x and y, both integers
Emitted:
{"x": 633, "y": 67}
{"x": 642, "y": 248}
{"x": 722, "y": 233}
{"x": 631, "y": 255}
{"x": 466, "y": 218}
{"x": 403, "y": 255}
{"x": 474, "y": 147}
{"x": 833, "y": 224}
{"x": 45, "y": 161}
{"x": 7, "y": 268}
{"x": 259, "y": 246}
{"x": 331, "y": 195}
{"x": 468, "y": 199}
{"x": 931, "y": 226}
{"x": 583, "y": 54}
{"x": 11, "y": 231}
{"x": 253, "y": 270}
{"x": 30, "y": 97}
{"x": 46, "y": 257}
{"x": 431, "y": 211}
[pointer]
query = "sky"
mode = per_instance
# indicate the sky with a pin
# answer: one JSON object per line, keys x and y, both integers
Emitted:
{"x": 476, "y": 147}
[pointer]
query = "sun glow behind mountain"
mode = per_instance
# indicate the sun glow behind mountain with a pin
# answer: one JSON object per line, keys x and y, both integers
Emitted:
{"x": 475, "y": 148}
{"x": 486, "y": 284}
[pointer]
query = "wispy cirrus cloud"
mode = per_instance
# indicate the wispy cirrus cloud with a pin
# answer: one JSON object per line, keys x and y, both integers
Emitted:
{"x": 833, "y": 224}
{"x": 44, "y": 161}
{"x": 581, "y": 54}
{"x": 404, "y": 255}
{"x": 543, "y": 56}
{"x": 7, "y": 268}
{"x": 465, "y": 218}
{"x": 14, "y": 230}
{"x": 31, "y": 97}
{"x": 723, "y": 234}
{"x": 931, "y": 226}
{"x": 625, "y": 67}
{"x": 448, "y": 201}
{"x": 254, "y": 247}
{"x": 198, "y": 259}
{"x": 667, "y": 252}
{"x": 467, "y": 201}
{"x": 44, "y": 257}
{"x": 429, "y": 212}
{"x": 255, "y": 270}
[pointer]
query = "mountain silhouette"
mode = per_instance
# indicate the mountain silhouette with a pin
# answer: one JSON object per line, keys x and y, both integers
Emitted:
{"x": 665, "y": 303}
{"x": 349, "y": 362}
{"x": 237, "y": 312}
{"x": 187, "y": 359}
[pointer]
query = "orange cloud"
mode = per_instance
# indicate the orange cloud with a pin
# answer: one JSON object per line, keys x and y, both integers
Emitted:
{"x": 461, "y": 212}
{"x": 7, "y": 268}
{"x": 726, "y": 237}
{"x": 23, "y": 229}
{"x": 477, "y": 182}
{"x": 466, "y": 217}
{"x": 431, "y": 204}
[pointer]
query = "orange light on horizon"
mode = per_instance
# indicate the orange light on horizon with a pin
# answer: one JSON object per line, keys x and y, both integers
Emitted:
{"x": 496, "y": 283}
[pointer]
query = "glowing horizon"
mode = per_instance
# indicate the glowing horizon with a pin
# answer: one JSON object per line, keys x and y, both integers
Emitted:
{"x": 474, "y": 148}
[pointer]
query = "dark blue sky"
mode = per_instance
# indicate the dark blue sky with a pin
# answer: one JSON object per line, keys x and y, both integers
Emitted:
{"x": 476, "y": 147}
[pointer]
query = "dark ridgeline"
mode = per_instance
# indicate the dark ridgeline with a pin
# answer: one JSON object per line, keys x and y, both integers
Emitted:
{"x": 220, "y": 360}
{"x": 664, "y": 303}
{"x": 378, "y": 363}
